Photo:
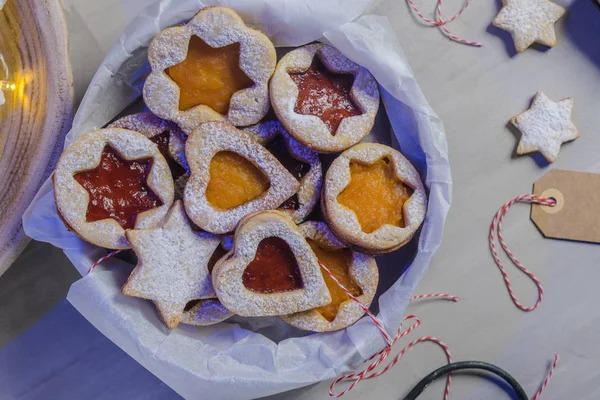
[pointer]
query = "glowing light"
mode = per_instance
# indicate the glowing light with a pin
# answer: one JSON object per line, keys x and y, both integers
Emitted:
{"x": 7, "y": 86}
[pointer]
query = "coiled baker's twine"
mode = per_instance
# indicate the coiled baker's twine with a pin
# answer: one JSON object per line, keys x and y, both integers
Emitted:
{"x": 441, "y": 23}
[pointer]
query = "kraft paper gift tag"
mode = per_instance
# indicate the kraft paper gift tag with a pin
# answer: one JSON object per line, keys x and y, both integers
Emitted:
{"x": 576, "y": 215}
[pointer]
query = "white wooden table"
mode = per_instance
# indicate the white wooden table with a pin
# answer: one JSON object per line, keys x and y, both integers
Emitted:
{"x": 475, "y": 92}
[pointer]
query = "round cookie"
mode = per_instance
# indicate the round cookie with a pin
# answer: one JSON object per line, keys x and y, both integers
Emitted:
{"x": 324, "y": 100}
{"x": 111, "y": 180}
{"x": 373, "y": 198}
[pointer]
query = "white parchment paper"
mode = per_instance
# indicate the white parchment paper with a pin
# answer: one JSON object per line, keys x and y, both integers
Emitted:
{"x": 249, "y": 358}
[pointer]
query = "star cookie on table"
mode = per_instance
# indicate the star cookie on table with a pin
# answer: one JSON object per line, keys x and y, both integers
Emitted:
{"x": 545, "y": 126}
{"x": 172, "y": 267}
{"x": 529, "y": 21}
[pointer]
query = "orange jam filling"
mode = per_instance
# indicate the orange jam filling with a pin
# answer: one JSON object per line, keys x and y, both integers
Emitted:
{"x": 274, "y": 268}
{"x": 375, "y": 194}
{"x": 338, "y": 262}
{"x": 234, "y": 180}
{"x": 209, "y": 76}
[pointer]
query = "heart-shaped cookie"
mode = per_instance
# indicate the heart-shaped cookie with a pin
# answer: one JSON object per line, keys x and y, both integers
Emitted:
{"x": 231, "y": 176}
{"x": 271, "y": 271}
{"x": 357, "y": 272}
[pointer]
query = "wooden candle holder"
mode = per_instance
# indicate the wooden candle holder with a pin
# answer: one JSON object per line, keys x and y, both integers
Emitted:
{"x": 37, "y": 114}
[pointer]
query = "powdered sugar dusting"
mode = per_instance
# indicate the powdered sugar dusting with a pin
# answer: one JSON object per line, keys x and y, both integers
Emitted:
{"x": 310, "y": 185}
{"x": 529, "y": 21}
{"x": 211, "y": 138}
{"x": 227, "y": 275}
{"x": 344, "y": 222}
{"x": 84, "y": 154}
{"x": 309, "y": 129}
{"x": 205, "y": 313}
{"x": 217, "y": 27}
{"x": 150, "y": 126}
{"x": 172, "y": 265}
{"x": 363, "y": 270}
{"x": 545, "y": 126}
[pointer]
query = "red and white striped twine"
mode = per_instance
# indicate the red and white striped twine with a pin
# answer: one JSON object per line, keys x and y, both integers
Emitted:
{"x": 383, "y": 354}
{"x": 497, "y": 226}
{"x": 101, "y": 259}
{"x": 441, "y": 23}
{"x": 548, "y": 376}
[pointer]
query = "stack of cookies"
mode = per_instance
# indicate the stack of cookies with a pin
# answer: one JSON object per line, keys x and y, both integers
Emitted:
{"x": 220, "y": 190}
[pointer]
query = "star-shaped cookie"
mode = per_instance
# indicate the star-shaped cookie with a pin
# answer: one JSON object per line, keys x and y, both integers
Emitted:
{"x": 529, "y": 21}
{"x": 545, "y": 126}
{"x": 172, "y": 265}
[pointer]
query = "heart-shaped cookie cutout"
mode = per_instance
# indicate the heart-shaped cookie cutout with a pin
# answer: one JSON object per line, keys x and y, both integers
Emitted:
{"x": 231, "y": 177}
{"x": 357, "y": 272}
{"x": 272, "y": 270}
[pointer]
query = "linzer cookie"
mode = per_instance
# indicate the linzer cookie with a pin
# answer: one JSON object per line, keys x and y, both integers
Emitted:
{"x": 169, "y": 138}
{"x": 214, "y": 68}
{"x": 172, "y": 267}
{"x": 355, "y": 271}
{"x": 373, "y": 198}
{"x": 111, "y": 180}
{"x": 272, "y": 270}
{"x": 231, "y": 176}
{"x": 324, "y": 100}
{"x": 300, "y": 161}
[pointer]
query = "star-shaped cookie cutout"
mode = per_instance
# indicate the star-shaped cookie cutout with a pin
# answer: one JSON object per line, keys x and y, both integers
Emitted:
{"x": 545, "y": 126}
{"x": 529, "y": 21}
{"x": 172, "y": 265}
{"x": 118, "y": 188}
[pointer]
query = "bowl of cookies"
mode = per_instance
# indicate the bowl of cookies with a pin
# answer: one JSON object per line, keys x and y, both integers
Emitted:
{"x": 238, "y": 185}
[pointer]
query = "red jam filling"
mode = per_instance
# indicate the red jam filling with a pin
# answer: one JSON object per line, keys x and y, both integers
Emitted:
{"x": 118, "y": 189}
{"x": 324, "y": 94}
{"x": 162, "y": 142}
{"x": 274, "y": 268}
